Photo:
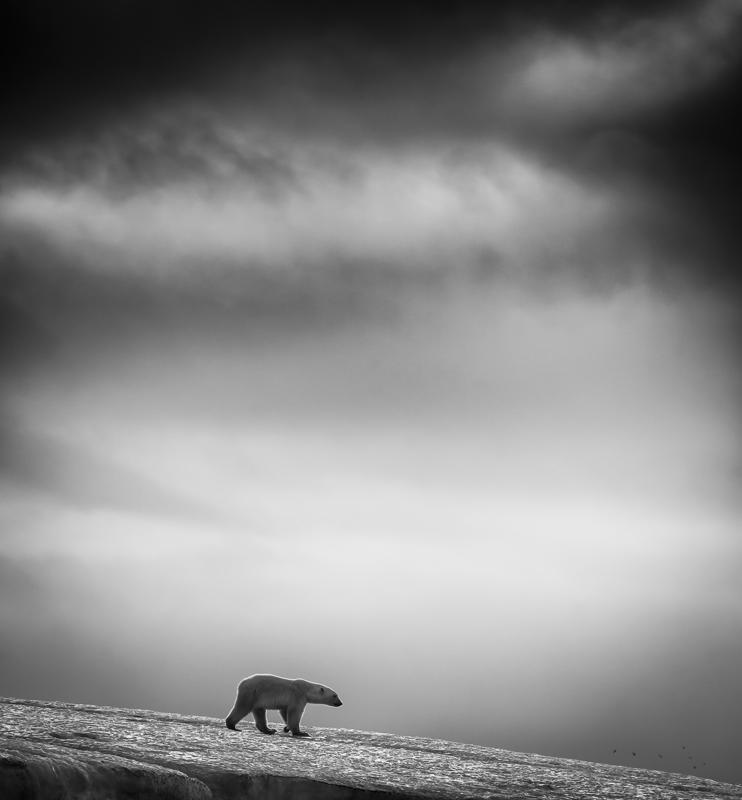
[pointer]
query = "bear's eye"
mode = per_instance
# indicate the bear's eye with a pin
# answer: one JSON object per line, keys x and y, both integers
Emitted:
{"x": 321, "y": 691}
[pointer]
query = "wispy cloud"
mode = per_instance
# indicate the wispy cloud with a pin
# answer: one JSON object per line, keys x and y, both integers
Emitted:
{"x": 69, "y": 474}
{"x": 637, "y": 67}
{"x": 409, "y": 211}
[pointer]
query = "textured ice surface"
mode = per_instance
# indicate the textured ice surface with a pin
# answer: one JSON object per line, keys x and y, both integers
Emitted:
{"x": 62, "y": 750}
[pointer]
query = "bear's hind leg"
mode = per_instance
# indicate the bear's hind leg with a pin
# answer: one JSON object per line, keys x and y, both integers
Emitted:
{"x": 260, "y": 723}
{"x": 240, "y": 710}
{"x": 284, "y": 716}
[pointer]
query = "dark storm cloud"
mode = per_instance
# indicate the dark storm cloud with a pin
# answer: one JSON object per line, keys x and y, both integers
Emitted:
{"x": 236, "y": 166}
{"x": 362, "y": 68}
{"x": 81, "y": 51}
{"x": 145, "y": 94}
{"x": 231, "y": 169}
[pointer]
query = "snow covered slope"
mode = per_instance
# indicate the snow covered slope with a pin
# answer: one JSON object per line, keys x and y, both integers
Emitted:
{"x": 66, "y": 751}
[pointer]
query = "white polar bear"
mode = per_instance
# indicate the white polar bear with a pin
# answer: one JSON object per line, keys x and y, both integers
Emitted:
{"x": 258, "y": 693}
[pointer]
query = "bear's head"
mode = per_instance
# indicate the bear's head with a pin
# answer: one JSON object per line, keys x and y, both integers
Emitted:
{"x": 324, "y": 695}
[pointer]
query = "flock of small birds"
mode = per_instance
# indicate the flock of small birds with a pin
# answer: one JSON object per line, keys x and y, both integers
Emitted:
{"x": 659, "y": 755}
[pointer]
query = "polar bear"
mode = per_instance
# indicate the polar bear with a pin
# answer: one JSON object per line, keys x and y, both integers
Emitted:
{"x": 259, "y": 693}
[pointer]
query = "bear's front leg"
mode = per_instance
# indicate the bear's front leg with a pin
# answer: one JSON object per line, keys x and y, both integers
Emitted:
{"x": 260, "y": 723}
{"x": 293, "y": 719}
{"x": 285, "y": 717}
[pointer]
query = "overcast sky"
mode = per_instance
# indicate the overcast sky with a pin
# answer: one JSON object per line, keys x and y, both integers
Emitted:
{"x": 394, "y": 347}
